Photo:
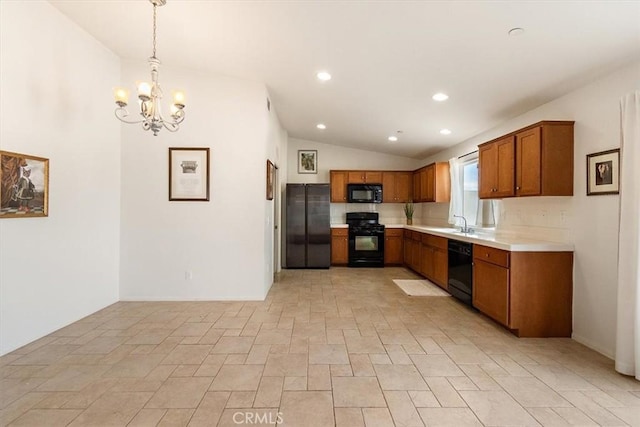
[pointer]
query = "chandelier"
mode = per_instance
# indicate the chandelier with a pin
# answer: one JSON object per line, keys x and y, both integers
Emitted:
{"x": 149, "y": 96}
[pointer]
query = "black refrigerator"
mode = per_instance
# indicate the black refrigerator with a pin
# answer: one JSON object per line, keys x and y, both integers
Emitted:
{"x": 308, "y": 228}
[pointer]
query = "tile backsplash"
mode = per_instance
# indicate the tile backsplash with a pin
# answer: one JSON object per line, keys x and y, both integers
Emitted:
{"x": 539, "y": 218}
{"x": 390, "y": 213}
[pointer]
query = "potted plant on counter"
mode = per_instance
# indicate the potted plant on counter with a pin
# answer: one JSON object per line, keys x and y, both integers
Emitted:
{"x": 408, "y": 211}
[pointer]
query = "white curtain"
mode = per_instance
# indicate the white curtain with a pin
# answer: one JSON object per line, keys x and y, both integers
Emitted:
{"x": 457, "y": 192}
{"x": 628, "y": 328}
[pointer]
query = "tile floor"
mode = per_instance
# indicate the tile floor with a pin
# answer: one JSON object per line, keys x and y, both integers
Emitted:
{"x": 341, "y": 347}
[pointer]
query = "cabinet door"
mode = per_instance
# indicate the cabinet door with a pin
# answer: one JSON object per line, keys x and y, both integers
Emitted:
{"x": 430, "y": 184}
{"x": 426, "y": 258}
{"x": 338, "y": 187}
{"x": 339, "y": 246}
{"x": 403, "y": 187}
{"x": 406, "y": 247}
{"x": 373, "y": 177}
{"x": 393, "y": 250}
{"x": 506, "y": 163}
{"x": 424, "y": 190}
{"x": 487, "y": 170}
{"x": 416, "y": 261}
{"x": 491, "y": 290}
{"x": 528, "y": 156}
{"x": 440, "y": 268}
{"x": 416, "y": 187}
{"x": 357, "y": 177}
{"x": 389, "y": 187}
{"x": 496, "y": 162}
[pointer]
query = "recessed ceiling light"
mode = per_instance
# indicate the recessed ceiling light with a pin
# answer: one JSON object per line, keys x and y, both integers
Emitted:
{"x": 321, "y": 126}
{"x": 324, "y": 76}
{"x": 516, "y": 31}
{"x": 440, "y": 96}
{"x": 393, "y": 138}
{"x": 445, "y": 131}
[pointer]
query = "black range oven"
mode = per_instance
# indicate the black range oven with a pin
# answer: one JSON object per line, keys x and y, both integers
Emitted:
{"x": 366, "y": 240}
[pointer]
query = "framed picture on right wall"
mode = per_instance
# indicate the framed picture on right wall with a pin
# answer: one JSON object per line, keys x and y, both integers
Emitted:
{"x": 603, "y": 173}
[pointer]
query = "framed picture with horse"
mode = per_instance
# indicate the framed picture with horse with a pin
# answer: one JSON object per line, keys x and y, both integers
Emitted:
{"x": 24, "y": 185}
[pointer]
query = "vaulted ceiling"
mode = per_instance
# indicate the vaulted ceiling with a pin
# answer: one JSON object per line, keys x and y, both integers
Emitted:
{"x": 387, "y": 58}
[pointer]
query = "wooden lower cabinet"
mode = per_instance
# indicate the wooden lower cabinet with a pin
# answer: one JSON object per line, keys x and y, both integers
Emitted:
{"x": 435, "y": 259}
{"x": 339, "y": 246}
{"x": 427, "y": 255}
{"x": 441, "y": 268}
{"x": 491, "y": 290}
{"x": 528, "y": 292}
{"x": 393, "y": 254}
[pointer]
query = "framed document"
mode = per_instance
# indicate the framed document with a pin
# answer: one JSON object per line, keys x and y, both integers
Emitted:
{"x": 188, "y": 174}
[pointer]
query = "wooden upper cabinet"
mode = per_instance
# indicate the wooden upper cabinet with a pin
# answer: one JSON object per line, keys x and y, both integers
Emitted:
{"x": 432, "y": 183}
{"x": 404, "y": 181}
{"x": 545, "y": 163}
{"x": 528, "y": 155}
{"x": 430, "y": 186}
{"x": 416, "y": 187}
{"x": 396, "y": 187}
{"x": 339, "y": 186}
{"x": 497, "y": 164}
{"x": 534, "y": 161}
{"x": 365, "y": 177}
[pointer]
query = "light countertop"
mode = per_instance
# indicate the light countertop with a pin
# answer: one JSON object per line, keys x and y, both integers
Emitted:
{"x": 507, "y": 243}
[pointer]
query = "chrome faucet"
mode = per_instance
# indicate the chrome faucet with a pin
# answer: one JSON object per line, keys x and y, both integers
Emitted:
{"x": 464, "y": 229}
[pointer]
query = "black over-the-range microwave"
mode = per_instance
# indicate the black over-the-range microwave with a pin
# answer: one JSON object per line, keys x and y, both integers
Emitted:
{"x": 364, "y": 193}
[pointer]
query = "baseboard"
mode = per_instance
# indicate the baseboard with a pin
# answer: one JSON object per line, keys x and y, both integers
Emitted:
{"x": 180, "y": 299}
{"x": 592, "y": 346}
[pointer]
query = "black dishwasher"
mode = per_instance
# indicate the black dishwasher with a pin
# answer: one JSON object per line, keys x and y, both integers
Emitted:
{"x": 461, "y": 270}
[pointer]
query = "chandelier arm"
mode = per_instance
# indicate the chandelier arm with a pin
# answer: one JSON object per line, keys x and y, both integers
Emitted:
{"x": 121, "y": 113}
{"x": 176, "y": 119}
{"x": 171, "y": 127}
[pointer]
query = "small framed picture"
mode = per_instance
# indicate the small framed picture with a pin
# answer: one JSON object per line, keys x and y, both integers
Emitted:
{"x": 24, "y": 185}
{"x": 603, "y": 173}
{"x": 271, "y": 171}
{"x": 188, "y": 174}
{"x": 307, "y": 161}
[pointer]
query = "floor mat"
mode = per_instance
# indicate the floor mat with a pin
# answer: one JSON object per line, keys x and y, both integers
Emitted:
{"x": 420, "y": 288}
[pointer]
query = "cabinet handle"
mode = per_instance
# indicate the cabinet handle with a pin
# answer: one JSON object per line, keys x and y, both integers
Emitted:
{"x": 517, "y": 188}
{"x": 487, "y": 255}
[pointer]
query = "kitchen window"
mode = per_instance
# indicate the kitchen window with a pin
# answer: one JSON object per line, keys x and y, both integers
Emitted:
{"x": 469, "y": 171}
{"x": 477, "y": 212}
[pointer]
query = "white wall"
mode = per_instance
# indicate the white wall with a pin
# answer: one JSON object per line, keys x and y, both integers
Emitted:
{"x": 590, "y": 223}
{"x": 337, "y": 157}
{"x": 57, "y": 103}
{"x": 222, "y": 243}
{"x": 276, "y": 152}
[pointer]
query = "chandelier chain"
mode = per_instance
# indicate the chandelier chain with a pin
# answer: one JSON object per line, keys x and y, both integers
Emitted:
{"x": 155, "y": 8}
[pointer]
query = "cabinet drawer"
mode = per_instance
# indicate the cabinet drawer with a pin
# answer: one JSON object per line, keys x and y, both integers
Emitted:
{"x": 491, "y": 255}
{"x": 395, "y": 232}
{"x": 339, "y": 231}
{"x": 437, "y": 242}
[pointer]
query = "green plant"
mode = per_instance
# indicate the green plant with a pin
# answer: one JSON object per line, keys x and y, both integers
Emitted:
{"x": 408, "y": 210}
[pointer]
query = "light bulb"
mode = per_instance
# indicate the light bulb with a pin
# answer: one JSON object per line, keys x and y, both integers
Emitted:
{"x": 122, "y": 96}
{"x": 178, "y": 98}
{"x": 144, "y": 90}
